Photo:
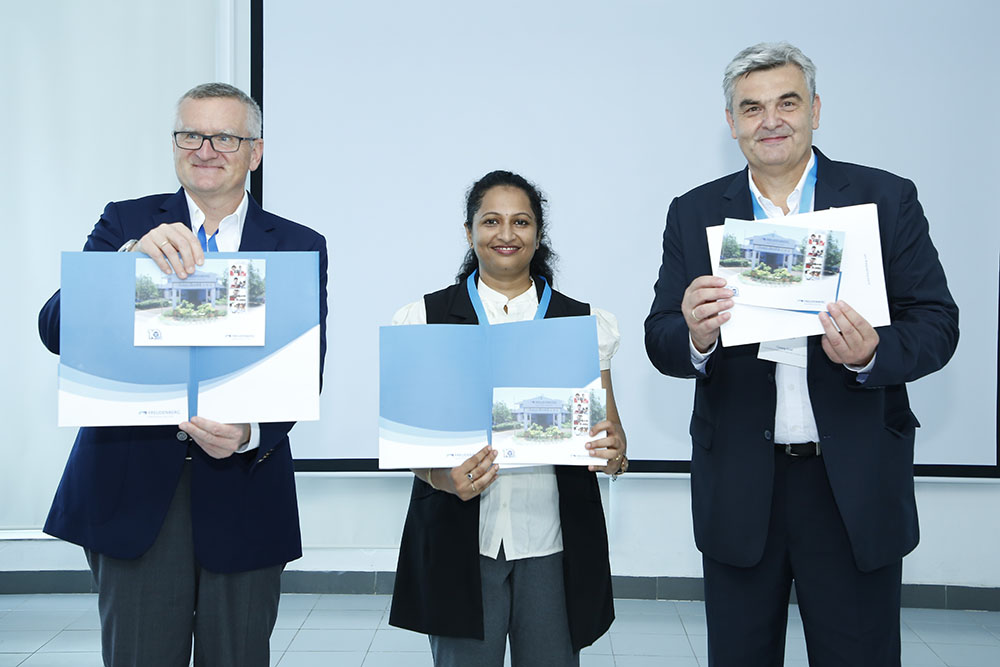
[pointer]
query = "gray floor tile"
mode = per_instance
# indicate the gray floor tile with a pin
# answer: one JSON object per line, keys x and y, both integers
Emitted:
{"x": 595, "y": 660}
{"x": 64, "y": 660}
{"x": 956, "y": 655}
{"x": 13, "y": 659}
{"x": 399, "y": 641}
{"x": 942, "y": 633}
{"x": 323, "y": 659}
{"x": 291, "y": 619}
{"x": 24, "y": 641}
{"x": 626, "y": 643}
{"x": 653, "y": 661}
{"x": 370, "y": 602}
{"x": 12, "y": 601}
{"x": 601, "y": 647}
{"x": 88, "y": 620}
{"x": 39, "y": 619}
{"x": 281, "y": 638}
{"x": 947, "y": 616}
{"x": 690, "y": 608}
{"x": 275, "y": 658}
{"x": 298, "y": 601}
{"x": 74, "y": 641}
{"x": 399, "y": 660}
{"x": 649, "y": 624}
{"x": 343, "y": 619}
{"x": 694, "y": 625}
{"x": 332, "y": 640}
{"x": 68, "y": 602}
{"x": 919, "y": 655}
{"x": 644, "y": 607}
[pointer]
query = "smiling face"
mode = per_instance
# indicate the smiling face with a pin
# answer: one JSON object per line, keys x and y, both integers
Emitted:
{"x": 504, "y": 234}
{"x": 206, "y": 174}
{"x": 773, "y": 119}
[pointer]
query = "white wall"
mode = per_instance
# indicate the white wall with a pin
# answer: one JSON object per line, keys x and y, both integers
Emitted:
{"x": 91, "y": 88}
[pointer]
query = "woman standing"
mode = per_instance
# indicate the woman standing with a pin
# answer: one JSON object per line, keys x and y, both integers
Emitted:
{"x": 523, "y": 553}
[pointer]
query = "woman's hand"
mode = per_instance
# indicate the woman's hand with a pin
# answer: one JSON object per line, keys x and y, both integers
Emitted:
{"x": 611, "y": 448}
{"x": 470, "y": 478}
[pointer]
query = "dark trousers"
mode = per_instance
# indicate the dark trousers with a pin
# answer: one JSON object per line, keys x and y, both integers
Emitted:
{"x": 851, "y": 618}
{"x": 524, "y": 599}
{"x": 151, "y": 607}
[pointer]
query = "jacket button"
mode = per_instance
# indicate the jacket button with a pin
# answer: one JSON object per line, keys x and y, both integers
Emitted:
{"x": 182, "y": 436}
{"x": 767, "y": 435}
{"x": 770, "y": 378}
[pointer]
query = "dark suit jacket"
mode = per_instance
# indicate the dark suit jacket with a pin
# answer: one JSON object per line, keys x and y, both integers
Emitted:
{"x": 119, "y": 481}
{"x": 438, "y": 590}
{"x": 866, "y": 430}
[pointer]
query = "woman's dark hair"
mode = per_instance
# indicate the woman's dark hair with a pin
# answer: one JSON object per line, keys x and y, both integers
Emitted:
{"x": 544, "y": 258}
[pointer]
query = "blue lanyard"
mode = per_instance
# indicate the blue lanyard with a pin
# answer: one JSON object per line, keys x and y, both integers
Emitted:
{"x": 805, "y": 201}
{"x": 477, "y": 303}
{"x": 208, "y": 245}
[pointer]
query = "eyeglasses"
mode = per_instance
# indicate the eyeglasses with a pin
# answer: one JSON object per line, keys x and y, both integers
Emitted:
{"x": 221, "y": 143}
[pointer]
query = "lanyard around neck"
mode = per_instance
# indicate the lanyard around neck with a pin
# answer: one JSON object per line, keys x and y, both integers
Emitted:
{"x": 477, "y": 302}
{"x": 805, "y": 199}
{"x": 209, "y": 244}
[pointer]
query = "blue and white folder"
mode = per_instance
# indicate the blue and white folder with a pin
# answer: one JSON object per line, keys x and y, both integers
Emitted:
{"x": 436, "y": 381}
{"x": 106, "y": 380}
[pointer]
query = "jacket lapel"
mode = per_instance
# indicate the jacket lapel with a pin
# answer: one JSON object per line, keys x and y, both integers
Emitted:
{"x": 173, "y": 209}
{"x": 257, "y": 229}
{"x": 831, "y": 184}
{"x": 736, "y": 202}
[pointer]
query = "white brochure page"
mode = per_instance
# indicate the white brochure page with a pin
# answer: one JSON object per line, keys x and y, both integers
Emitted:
{"x": 862, "y": 283}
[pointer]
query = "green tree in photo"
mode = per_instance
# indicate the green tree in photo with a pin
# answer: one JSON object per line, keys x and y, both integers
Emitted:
{"x": 834, "y": 253}
{"x": 598, "y": 412}
{"x": 501, "y": 413}
{"x": 255, "y": 284}
{"x": 730, "y": 247}
{"x": 145, "y": 289}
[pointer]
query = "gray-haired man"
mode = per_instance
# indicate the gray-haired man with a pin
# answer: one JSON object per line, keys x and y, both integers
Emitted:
{"x": 800, "y": 474}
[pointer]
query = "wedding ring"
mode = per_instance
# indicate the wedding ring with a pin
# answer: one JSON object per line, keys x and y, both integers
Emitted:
{"x": 168, "y": 243}
{"x": 474, "y": 489}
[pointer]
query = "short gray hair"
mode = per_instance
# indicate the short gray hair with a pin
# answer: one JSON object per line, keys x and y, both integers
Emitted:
{"x": 763, "y": 56}
{"x": 210, "y": 90}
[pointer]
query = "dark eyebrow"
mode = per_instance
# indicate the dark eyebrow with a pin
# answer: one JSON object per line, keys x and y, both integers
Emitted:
{"x": 787, "y": 96}
{"x": 521, "y": 213}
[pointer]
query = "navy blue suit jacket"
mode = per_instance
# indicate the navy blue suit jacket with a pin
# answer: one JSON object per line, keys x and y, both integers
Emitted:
{"x": 866, "y": 430}
{"x": 119, "y": 481}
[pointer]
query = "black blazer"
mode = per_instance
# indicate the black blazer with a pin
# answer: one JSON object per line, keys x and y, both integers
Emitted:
{"x": 438, "y": 590}
{"x": 119, "y": 480}
{"x": 866, "y": 430}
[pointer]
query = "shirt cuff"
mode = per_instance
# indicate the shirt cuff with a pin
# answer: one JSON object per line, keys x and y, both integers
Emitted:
{"x": 867, "y": 368}
{"x": 700, "y": 359}
{"x": 254, "y": 441}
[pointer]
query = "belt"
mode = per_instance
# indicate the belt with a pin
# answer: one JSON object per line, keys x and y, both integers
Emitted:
{"x": 800, "y": 449}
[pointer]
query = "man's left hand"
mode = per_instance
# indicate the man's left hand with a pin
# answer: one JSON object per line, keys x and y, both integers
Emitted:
{"x": 610, "y": 448}
{"x": 855, "y": 343}
{"x": 218, "y": 440}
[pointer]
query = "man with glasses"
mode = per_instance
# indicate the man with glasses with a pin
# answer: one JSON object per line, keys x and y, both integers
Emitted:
{"x": 187, "y": 529}
{"x": 800, "y": 471}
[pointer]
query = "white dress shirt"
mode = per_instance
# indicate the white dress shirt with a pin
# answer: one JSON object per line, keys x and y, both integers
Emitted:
{"x": 520, "y": 510}
{"x": 228, "y": 240}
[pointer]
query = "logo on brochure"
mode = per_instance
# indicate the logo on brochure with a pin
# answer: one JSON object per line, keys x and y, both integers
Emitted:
{"x": 154, "y": 334}
{"x": 508, "y": 453}
{"x": 158, "y": 413}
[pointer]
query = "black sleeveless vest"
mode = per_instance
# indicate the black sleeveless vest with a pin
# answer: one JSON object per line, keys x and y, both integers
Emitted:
{"x": 437, "y": 589}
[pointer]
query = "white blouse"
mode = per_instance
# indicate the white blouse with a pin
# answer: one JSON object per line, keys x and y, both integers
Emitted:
{"x": 520, "y": 510}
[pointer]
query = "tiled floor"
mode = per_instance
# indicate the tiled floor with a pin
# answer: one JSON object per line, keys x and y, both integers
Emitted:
{"x": 352, "y": 631}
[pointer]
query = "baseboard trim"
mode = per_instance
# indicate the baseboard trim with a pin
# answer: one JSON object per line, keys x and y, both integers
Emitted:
{"x": 929, "y": 596}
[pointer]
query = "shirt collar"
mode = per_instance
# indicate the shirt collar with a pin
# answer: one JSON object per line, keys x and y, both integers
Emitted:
{"x": 793, "y": 202}
{"x": 491, "y": 297}
{"x": 231, "y": 225}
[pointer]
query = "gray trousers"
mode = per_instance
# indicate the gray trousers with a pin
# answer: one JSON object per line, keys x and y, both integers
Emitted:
{"x": 524, "y": 599}
{"x": 151, "y": 606}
